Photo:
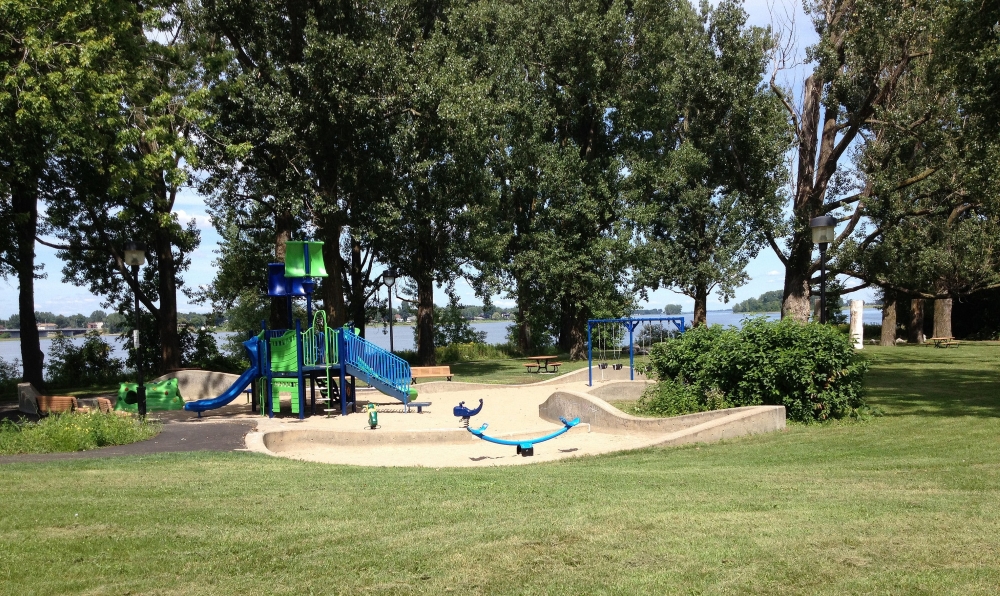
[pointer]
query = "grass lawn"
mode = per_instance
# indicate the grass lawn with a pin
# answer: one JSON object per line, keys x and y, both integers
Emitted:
{"x": 903, "y": 503}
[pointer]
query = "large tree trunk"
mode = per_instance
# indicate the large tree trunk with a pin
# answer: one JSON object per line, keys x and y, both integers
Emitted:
{"x": 700, "y": 306}
{"x": 942, "y": 317}
{"x": 25, "y": 204}
{"x": 888, "y": 320}
{"x": 523, "y": 326}
{"x": 170, "y": 341}
{"x": 795, "y": 303}
{"x": 332, "y": 288}
{"x": 278, "y": 316}
{"x": 358, "y": 312}
{"x": 916, "y": 327}
{"x": 425, "y": 321}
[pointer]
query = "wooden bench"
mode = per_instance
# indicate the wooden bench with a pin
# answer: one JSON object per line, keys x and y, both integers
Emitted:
{"x": 422, "y": 372}
{"x": 56, "y": 404}
{"x": 529, "y": 365}
{"x": 554, "y": 366}
{"x": 944, "y": 342}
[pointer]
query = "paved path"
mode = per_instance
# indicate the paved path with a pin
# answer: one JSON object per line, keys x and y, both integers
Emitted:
{"x": 175, "y": 437}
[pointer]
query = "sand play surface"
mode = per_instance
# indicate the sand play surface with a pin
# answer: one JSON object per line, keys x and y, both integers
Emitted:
{"x": 511, "y": 412}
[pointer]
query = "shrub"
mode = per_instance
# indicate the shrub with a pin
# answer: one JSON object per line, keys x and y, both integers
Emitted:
{"x": 88, "y": 364}
{"x": 72, "y": 432}
{"x": 810, "y": 369}
{"x": 465, "y": 352}
{"x": 10, "y": 376}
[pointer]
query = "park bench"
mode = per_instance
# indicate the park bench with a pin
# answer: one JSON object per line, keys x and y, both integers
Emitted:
{"x": 423, "y": 372}
{"x": 945, "y": 342}
{"x": 56, "y": 404}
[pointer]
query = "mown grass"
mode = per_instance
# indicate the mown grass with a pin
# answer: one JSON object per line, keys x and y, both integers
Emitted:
{"x": 72, "y": 432}
{"x": 900, "y": 504}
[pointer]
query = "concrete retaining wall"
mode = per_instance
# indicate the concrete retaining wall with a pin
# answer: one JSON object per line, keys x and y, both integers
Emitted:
{"x": 620, "y": 390}
{"x": 200, "y": 384}
{"x": 571, "y": 377}
{"x": 705, "y": 426}
{"x": 285, "y": 440}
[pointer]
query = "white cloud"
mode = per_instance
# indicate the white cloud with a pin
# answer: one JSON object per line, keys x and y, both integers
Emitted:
{"x": 201, "y": 220}
{"x": 774, "y": 272}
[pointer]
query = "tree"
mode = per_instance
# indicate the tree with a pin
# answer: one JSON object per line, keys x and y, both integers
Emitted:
{"x": 864, "y": 49}
{"x": 299, "y": 129}
{"x": 61, "y": 63}
{"x": 709, "y": 166}
{"x": 119, "y": 178}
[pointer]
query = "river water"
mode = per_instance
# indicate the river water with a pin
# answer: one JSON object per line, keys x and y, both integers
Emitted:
{"x": 496, "y": 333}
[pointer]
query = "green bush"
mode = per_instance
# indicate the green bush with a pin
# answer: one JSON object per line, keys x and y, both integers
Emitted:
{"x": 467, "y": 352}
{"x": 72, "y": 432}
{"x": 810, "y": 369}
{"x": 89, "y": 364}
{"x": 10, "y": 376}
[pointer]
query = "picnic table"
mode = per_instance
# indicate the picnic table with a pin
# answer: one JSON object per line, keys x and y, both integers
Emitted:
{"x": 542, "y": 363}
{"x": 944, "y": 342}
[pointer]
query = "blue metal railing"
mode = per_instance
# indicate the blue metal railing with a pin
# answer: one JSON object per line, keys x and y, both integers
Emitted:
{"x": 377, "y": 363}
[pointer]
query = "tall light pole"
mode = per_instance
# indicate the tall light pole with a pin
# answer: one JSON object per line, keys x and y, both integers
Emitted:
{"x": 823, "y": 229}
{"x": 389, "y": 279}
{"x": 135, "y": 257}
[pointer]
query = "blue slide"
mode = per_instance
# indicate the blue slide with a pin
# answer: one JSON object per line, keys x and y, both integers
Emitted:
{"x": 253, "y": 348}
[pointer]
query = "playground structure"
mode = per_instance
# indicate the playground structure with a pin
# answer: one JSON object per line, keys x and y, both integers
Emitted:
{"x": 609, "y": 336}
{"x": 160, "y": 395}
{"x": 326, "y": 360}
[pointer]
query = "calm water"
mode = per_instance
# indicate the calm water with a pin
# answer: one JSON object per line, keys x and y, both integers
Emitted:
{"x": 496, "y": 332}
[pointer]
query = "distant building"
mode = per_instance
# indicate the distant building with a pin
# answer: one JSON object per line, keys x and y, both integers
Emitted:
{"x": 96, "y": 325}
{"x": 411, "y": 319}
{"x": 397, "y": 318}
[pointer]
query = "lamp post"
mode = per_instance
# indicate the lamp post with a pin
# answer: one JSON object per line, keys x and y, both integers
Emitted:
{"x": 823, "y": 228}
{"x": 135, "y": 257}
{"x": 389, "y": 279}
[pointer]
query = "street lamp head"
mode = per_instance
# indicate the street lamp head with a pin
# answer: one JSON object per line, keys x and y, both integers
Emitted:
{"x": 135, "y": 254}
{"x": 823, "y": 229}
{"x": 389, "y": 277}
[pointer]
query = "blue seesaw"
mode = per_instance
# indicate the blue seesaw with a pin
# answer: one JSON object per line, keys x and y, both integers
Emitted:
{"x": 525, "y": 448}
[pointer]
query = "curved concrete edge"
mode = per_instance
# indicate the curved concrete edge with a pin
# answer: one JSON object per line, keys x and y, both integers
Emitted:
{"x": 603, "y": 417}
{"x": 276, "y": 441}
{"x": 200, "y": 384}
{"x": 620, "y": 390}
{"x": 570, "y": 377}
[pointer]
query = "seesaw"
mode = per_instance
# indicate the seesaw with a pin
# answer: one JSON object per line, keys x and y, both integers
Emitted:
{"x": 525, "y": 447}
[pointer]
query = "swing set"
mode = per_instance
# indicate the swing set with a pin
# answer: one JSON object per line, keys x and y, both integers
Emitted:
{"x": 608, "y": 336}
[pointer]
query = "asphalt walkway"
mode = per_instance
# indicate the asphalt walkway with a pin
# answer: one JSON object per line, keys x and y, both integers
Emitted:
{"x": 175, "y": 437}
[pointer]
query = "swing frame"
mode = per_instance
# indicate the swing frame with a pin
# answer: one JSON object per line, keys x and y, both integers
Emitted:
{"x": 630, "y": 323}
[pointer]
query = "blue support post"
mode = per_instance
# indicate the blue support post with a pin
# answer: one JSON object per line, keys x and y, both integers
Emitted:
{"x": 342, "y": 357}
{"x": 631, "y": 354}
{"x": 301, "y": 377}
{"x": 590, "y": 357}
{"x": 266, "y": 361}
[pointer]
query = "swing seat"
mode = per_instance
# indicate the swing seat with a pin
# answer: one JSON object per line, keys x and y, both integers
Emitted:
{"x": 616, "y": 366}
{"x": 602, "y": 365}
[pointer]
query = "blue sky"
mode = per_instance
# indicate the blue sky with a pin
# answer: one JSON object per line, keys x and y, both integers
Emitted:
{"x": 51, "y": 294}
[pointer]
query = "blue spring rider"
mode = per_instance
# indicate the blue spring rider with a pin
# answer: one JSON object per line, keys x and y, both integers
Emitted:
{"x": 525, "y": 448}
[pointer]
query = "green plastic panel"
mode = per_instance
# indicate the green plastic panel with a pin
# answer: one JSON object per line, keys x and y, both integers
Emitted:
{"x": 295, "y": 259}
{"x": 284, "y": 357}
{"x": 291, "y": 386}
{"x": 162, "y": 395}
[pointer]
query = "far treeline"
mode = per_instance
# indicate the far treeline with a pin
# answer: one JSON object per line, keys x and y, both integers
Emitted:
{"x": 571, "y": 157}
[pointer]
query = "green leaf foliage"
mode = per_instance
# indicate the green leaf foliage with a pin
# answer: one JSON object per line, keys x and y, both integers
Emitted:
{"x": 810, "y": 369}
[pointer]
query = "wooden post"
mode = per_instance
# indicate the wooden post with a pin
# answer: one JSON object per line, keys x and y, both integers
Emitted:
{"x": 857, "y": 326}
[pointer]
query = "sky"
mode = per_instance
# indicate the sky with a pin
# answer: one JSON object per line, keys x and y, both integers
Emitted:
{"x": 53, "y": 295}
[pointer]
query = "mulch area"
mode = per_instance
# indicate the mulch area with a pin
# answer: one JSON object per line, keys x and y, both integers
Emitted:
{"x": 178, "y": 435}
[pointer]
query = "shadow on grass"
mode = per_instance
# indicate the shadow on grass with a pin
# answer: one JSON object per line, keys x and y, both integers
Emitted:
{"x": 926, "y": 381}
